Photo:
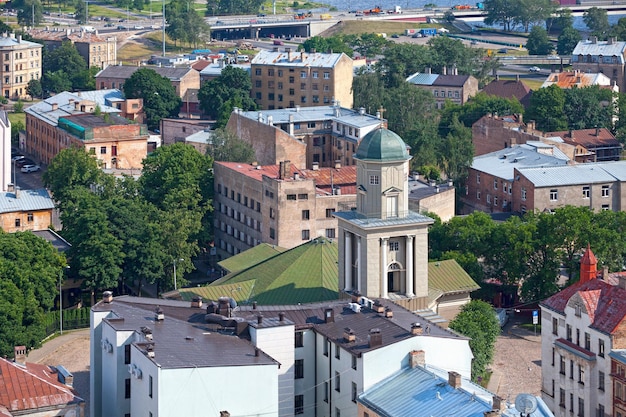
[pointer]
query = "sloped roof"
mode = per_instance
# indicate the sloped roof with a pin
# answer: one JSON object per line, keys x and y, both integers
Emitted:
{"x": 605, "y": 303}
{"x": 448, "y": 277}
{"x": 307, "y": 273}
{"x": 382, "y": 145}
{"x": 298, "y": 59}
{"x": 251, "y": 257}
{"x": 571, "y": 79}
{"x": 589, "y": 173}
{"x": 597, "y": 48}
{"x": 32, "y": 387}
{"x": 589, "y": 138}
{"x": 126, "y": 71}
{"x": 509, "y": 89}
{"x": 28, "y": 200}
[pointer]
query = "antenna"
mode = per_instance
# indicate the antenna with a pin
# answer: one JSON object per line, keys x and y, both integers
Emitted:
{"x": 525, "y": 404}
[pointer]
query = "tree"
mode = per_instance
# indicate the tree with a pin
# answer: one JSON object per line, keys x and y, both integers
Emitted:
{"x": 456, "y": 151}
{"x": 18, "y": 107}
{"x": 80, "y": 12}
{"x": 159, "y": 95}
{"x": 480, "y": 105}
{"x": 184, "y": 23}
{"x": 238, "y": 7}
{"x": 538, "y": 42}
{"x": 227, "y": 146}
{"x": 597, "y": 21}
{"x": 402, "y": 60}
{"x": 589, "y": 107}
{"x": 34, "y": 89}
{"x": 567, "y": 41}
{"x": 65, "y": 69}
{"x": 29, "y": 12}
{"x": 368, "y": 91}
{"x": 533, "y": 12}
{"x": 335, "y": 43}
{"x": 71, "y": 168}
{"x": 619, "y": 30}
{"x": 500, "y": 12}
{"x": 546, "y": 109}
{"x": 477, "y": 320}
{"x": 233, "y": 84}
{"x": 370, "y": 44}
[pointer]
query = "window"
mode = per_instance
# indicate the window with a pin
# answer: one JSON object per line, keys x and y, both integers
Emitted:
{"x": 554, "y": 195}
{"x": 326, "y": 343}
{"x": 394, "y": 246}
{"x": 330, "y": 233}
{"x": 561, "y": 397}
{"x": 299, "y": 339}
{"x": 478, "y": 178}
{"x": 272, "y": 213}
{"x": 568, "y": 332}
{"x": 306, "y": 234}
{"x": 581, "y": 407}
{"x": 581, "y": 375}
{"x": 326, "y": 391}
{"x": 303, "y": 196}
{"x": 298, "y": 404}
{"x": 477, "y": 195}
{"x": 103, "y": 150}
{"x": 270, "y": 72}
{"x": 553, "y": 356}
{"x": 291, "y": 80}
{"x": 303, "y": 99}
{"x": 577, "y": 337}
{"x": 337, "y": 352}
{"x": 302, "y": 86}
{"x": 488, "y": 198}
{"x": 280, "y": 73}
{"x": 601, "y": 381}
{"x": 605, "y": 191}
{"x": 291, "y": 93}
{"x": 315, "y": 74}
{"x": 299, "y": 369}
{"x": 523, "y": 193}
{"x": 495, "y": 184}
{"x": 272, "y": 233}
{"x": 374, "y": 180}
{"x": 150, "y": 386}
{"x": 562, "y": 365}
{"x": 354, "y": 392}
{"x": 571, "y": 402}
{"x": 306, "y": 214}
{"x": 337, "y": 381}
{"x": 257, "y": 83}
{"x": 601, "y": 348}
{"x": 29, "y": 217}
{"x": 291, "y": 196}
{"x": 605, "y": 207}
{"x": 302, "y": 74}
{"x": 586, "y": 191}
{"x": 571, "y": 369}
{"x": 257, "y": 71}
{"x": 329, "y": 213}
{"x": 555, "y": 326}
{"x": 337, "y": 412}
{"x": 326, "y": 75}
{"x": 601, "y": 410}
{"x": 127, "y": 388}
{"x": 587, "y": 341}
{"x": 353, "y": 362}
{"x": 126, "y": 354}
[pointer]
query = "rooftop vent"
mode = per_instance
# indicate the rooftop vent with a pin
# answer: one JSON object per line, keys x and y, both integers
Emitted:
{"x": 329, "y": 315}
{"x": 348, "y": 335}
{"x": 388, "y": 313}
{"x": 416, "y": 329}
{"x": 147, "y": 333}
{"x": 281, "y": 316}
{"x": 150, "y": 351}
{"x": 375, "y": 338}
{"x": 196, "y": 302}
{"x": 378, "y": 307}
{"x": 107, "y": 297}
{"x": 417, "y": 358}
{"x": 64, "y": 376}
{"x": 158, "y": 314}
{"x": 356, "y": 307}
{"x": 259, "y": 319}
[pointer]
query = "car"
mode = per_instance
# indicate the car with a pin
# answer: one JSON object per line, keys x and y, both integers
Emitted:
{"x": 25, "y": 161}
{"x": 503, "y": 51}
{"x": 139, "y": 27}
{"x": 120, "y": 27}
{"x": 417, "y": 35}
{"x": 17, "y": 157}
{"x": 474, "y": 42}
{"x": 109, "y": 25}
{"x": 30, "y": 168}
{"x": 395, "y": 36}
{"x": 534, "y": 69}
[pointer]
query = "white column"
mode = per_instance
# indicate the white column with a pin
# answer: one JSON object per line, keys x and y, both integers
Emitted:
{"x": 347, "y": 261}
{"x": 383, "y": 265}
{"x": 359, "y": 263}
{"x": 409, "y": 266}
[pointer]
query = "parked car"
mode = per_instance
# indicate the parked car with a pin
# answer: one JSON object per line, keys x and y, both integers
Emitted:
{"x": 30, "y": 168}
{"x": 25, "y": 161}
{"x": 17, "y": 157}
{"x": 503, "y": 51}
{"x": 534, "y": 69}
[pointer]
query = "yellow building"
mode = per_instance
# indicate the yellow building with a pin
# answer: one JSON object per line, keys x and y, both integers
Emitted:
{"x": 20, "y": 62}
{"x": 22, "y": 210}
{"x": 97, "y": 50}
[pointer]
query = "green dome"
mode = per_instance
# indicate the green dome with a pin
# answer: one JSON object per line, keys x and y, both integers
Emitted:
{"x": 382, "y": 145}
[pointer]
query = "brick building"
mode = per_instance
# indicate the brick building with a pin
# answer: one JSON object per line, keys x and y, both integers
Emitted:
{"x": 606, "y": 57}
{"x": 453, "y": 87}
{"x": 20, "y": 62}
{"x": 277, "y": 204}
{"x": 306, "y": 136}
{"x": 22, "y": 210}
{"x": 182, "y": 78}
{"x": 593, "y": 145}
{"x": 97, "y": 50}
{"x": 289, "y": 78}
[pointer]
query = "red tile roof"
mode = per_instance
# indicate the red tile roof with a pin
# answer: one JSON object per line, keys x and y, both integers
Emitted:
{"x": 30, "y": 388}
{"x": 589, "y": 138}
{"x": 605, "y": 303}
{"x": 200, "y": 64}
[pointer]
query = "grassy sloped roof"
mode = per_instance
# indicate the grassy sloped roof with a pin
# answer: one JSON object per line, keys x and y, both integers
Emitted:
{"x": 448, "y": 277}
{"x": 250, "y": 257}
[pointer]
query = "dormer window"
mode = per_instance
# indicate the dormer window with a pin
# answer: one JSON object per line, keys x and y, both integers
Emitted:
{"x": 578, "y": 310}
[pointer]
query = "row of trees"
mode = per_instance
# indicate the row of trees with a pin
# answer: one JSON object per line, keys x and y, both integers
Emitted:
{"x": 185, "y": 25}
{"x": 522, "y": 13}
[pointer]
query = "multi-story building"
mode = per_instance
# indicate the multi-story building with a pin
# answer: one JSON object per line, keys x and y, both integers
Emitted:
{"x": 576, "y": 79}
{"x": 319, "y": 136}
{"x": 125, "y": 143}
{"x": 5, "y": 151}
{"x": 182, "y": 78}
{"x": 453, "y": 87}
{"x": 97, "y": 50}
{"x": 277, "y": 204}
{"x": 606, "y": 57}
{"x": 22, "y": 210}
{"x": 509, "y": 89}
{"x": 593, "y": 145}
{"x": 289, "y": 78}
{"x": 580, "y": 326}
{"x": 20, "y": 62}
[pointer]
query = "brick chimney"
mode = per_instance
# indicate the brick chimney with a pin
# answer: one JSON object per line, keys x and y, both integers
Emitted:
{"x": 348, "y": 335}
{"x": 416, "y": 329}
{"x": 107, "y": 297}
{"x": 19, "y": 355}
{"x": 196, "y": 302}
{"x": 158, "y": 314}
{"x": 454, "y": 379}
{"x": 329, "y": 315}
{"x": 375, "y": 338}
{"x": 417, "y": 358}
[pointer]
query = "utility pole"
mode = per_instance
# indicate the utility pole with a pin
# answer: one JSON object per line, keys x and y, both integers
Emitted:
{"x": 163, "y": 27}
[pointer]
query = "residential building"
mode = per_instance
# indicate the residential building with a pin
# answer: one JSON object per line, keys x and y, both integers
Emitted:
{"x": 439, "y": 199}
{"x": 22, "y": 210}
{"x": 618, "y": 381}
{"x": 453, "y": 87}
{"x": 34, "y": 390}
{"x": 580, "y": 326}
{"x": 289, "y": 78}
{"x": 509, "y": 89}
{"x": 321, "y": 136}
{"x": 178, "y": 130}
{"x": 20, "y": 62}
{"x": 489, "y": 184}
{"x": 182, "y": 78}
{"x": 98, "y": 50}
{"x": 47, "y": 134}
{"x": 606, "y": 57}
{"x": 277, "y": 204}
{"x": 5, "y": 151}
{"x": 213, "y": 69}
{"x": 576, "y": 79}
{"x": 593, "y": 145}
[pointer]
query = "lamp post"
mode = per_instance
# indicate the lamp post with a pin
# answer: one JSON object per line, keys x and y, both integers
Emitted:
{"x": 176, "y": 260}
{"x": 163, "y": 27}
{"x": 61, "y": 297}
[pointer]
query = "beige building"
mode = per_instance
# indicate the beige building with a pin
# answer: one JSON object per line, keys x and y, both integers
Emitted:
{"x": 446, "y": 87}
{"x": 20, "y": 62}
{"x": 277, "y": 204}
{"x": 22, "y": 210}
{"x": 182, "y": 78}
{"x": 289, "y": 78}
{"x": 606, "y": 57}
{"x": 97, "y": 50}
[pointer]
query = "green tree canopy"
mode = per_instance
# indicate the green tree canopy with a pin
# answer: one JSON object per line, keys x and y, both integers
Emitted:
{"x": 335, "y": 43}
{"x": 25, "y": 9}
{"x": 547, "y": 109}
{"x": 567, "y": 41}
{"x": 185, "y": 24}
{"x": 538, "y": 42}
{"x": 238, "y": 7}
{"x": 233, "y": 84}
{"x": 159, "y": 95}
{"x": 589, "y": 107}
{"x": 227, "y": 146}
{"x": 597, "y": 21}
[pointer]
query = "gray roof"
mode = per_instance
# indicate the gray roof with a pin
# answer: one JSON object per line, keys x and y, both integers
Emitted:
{"x": 365, "y": 222}
{"x": 298, "y": 59}
{"x": 44, "y": 109}
{"x": 589, "y": 173}
{"x": 422, "y": 79}
{"x": 17, "y": 43}
{"x": 125, "y": 71}
{"x": 27, "y": 200}
{"x": 202, "y": 136}
{"x": 342, "y": 115}
{"x": 438, "y": 79}
{"x": 603, "y": 48}
{"x": 214, "y": 70}
{"x": 502, "y": 163}
{"x": 54, "y": 238}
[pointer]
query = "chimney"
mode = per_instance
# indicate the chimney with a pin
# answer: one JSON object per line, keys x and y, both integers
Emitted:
{"x": 302, "y": 56}
{"x": 259, "y": 117}
{"x": 289, "y": 54}
{"x": 348, "y": 335}
{"x": 257, "y": 352}
{"x": 19, "y": 38}
{"x": 454, "y": 379}
{"x": 147, "y": 333}
{"x": 254, "y": 305}
{"x": 517, "y": 77}
{"x": 497, "y": 77}
{"x": 281, "y": 317}
{"x": 224, "y": 414}
{"x": 107, "y": 297}
{"x": 417, "y": 358}
{"x": 315, "y": 166}
{"x": 296, "y": 176}
{"x": 55, "y": 106}
{"x": 297, "y": 108}
{"x": 375, "y": 338}
{"x": 259, "y": 319}
{"x": 158, "y": 314}
{"x": 196, "y": 302}
{"x": 378, "y": 307}
{"x": 455, "y": 70}
{"x": 329, "y": 315}
{"x": 498, "y": 404}
{"x": 150, "y": 350}
{"x": 594, "y": 39}
{"x": 429, "y": 70}
{"x": 281, "y": 170}
{"x": 19, "y": 355}
{"x": 17, "y": 192}
{"x": 337, "y": 163}
{"x": 313, "y": 50}
{"x": 388, "y": 313}
{"x": 416, "y": 329}
{"x": 361, "y": 111}
{"x": 291, "y": 124}
{"x": 444, "y": 70}
{"x": 597, "y": 131}
{"x": 621, "y": 281}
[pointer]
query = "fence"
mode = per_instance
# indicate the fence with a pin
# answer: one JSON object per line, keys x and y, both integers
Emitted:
{"x": 77, "y": 318}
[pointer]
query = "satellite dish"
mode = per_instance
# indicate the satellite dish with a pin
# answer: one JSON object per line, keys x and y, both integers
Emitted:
{"x": 525, "y": 404}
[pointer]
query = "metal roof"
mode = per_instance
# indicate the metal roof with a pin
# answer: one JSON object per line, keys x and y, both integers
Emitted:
{"x": 44, "y": 109}
{"x": 126, "y": 71}
{"x": 343, "y": 115}
{"x": 215, "y": 69}
{"x": 27, "y": 200}
{"x": 382, "y": 145}
{"x": 598, "y": 48}
{"x": 297, "y": 59}
{"x": 365, "y": 222}
{"x": 589, "y": 173}
{"x": 422, "y": 78}
{"x": 17, "y": 43}
{"x": 502, "y": 163}
{"x": 571, "y": 79}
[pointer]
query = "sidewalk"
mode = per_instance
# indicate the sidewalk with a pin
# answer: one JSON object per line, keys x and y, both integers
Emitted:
{"x": 51, "y": 346}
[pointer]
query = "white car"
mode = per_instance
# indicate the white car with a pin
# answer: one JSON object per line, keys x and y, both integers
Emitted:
{"x": 534, "y": 69}
{"x": 30, "y": 168}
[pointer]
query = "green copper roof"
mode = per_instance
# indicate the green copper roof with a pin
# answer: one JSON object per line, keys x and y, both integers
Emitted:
{"x": 382, "y": 145}
{"x": 447, "y": 277}
{"x": 250, "y": 257}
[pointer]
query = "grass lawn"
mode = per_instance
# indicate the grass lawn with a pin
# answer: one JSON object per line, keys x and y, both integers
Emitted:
{"x": 132, "y": 52}
{"x": 17, "y": 117}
